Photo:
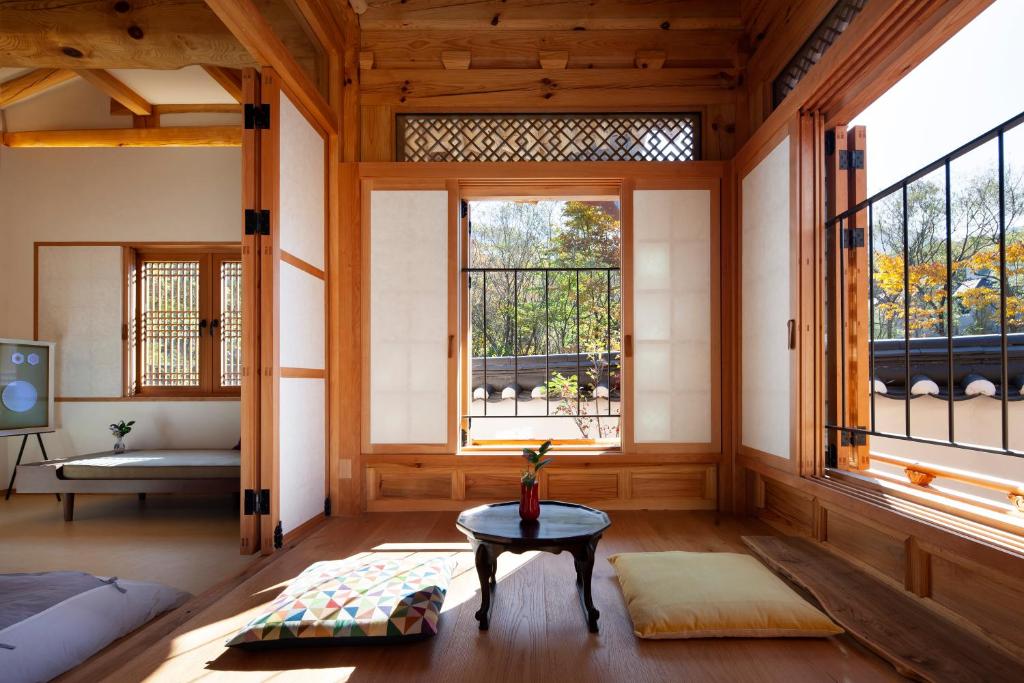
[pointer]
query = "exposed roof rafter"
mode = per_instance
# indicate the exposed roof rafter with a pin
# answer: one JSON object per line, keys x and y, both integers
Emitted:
{"x": 106, "y": 82}
{"x": 229, "y": 79}
{"x": 32, "y": 83}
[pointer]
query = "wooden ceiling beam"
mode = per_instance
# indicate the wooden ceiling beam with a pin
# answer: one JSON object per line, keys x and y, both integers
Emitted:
{"x": 98, "y": 34}
{"x": 229, "y": 79}
{"x": 210, "y": 136}
{"x": 32, "y": 83}
{"x": 516, "y": 89}
{"x": 569, "y": 15}
{"x": 586, "y": 49}
{"x": 118, "y": 109}
{"x": 117, "y": 90}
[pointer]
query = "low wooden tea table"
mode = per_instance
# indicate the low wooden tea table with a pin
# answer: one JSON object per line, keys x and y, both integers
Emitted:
{"x": 495, "y": 529}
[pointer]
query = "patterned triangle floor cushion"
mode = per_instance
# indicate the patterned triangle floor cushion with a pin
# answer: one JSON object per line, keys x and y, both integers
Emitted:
{"x": 339, "y": 602}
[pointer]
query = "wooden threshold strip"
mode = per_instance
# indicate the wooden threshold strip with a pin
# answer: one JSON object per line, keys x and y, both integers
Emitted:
{"x": 305, "y": 266}
{"x": 303, "y": 373}
{"x": 208, "y": 136}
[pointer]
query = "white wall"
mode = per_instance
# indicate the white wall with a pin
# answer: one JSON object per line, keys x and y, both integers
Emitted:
{"x": 114, "y": 195}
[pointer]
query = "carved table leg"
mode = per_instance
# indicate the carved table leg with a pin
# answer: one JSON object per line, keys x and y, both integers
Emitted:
{"x": 485, "y": 572}
{"x": 584, "y": 556}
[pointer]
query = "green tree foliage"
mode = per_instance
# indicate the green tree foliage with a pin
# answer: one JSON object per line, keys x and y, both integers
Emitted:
{"x": 546, "y": 234}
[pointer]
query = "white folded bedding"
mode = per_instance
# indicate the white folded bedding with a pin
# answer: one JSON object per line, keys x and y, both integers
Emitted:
{"x": 63, "y": 635}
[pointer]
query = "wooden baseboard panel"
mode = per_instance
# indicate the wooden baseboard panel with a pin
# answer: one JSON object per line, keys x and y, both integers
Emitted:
{"x": 392, "y": 487}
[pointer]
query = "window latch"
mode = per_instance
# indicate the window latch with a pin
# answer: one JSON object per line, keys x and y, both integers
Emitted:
{"x": 214, "y": 325}
{"x": 202, "y": 325}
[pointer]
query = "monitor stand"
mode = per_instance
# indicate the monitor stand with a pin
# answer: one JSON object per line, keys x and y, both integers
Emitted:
{"x": 21, "y": 451}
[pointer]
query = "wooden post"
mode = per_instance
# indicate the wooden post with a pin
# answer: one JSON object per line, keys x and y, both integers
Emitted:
{"x": 858, "y": 305}
{"x": 837, "y": 201}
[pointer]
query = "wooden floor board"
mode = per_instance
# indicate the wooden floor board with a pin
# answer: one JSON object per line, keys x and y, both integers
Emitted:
{"x": 537, "y": 629}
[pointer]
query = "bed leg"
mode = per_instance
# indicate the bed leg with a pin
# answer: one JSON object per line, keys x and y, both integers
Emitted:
{"x": 69, "y": 507}
{"x": 142, "y": 497}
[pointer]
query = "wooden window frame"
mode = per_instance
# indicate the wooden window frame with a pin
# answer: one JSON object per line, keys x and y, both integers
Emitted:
{"x": 209, "y": 258}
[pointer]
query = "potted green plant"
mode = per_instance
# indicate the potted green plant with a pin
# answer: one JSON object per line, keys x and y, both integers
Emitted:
{"x": 529, "y": 496}
{"x": 120, "y": 430}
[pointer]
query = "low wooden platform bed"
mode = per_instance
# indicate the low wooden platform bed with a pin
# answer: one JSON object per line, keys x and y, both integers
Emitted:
{"x": 139, "y": 471}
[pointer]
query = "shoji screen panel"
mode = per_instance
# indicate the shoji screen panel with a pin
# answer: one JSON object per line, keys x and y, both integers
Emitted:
{"x": 410, "y": 323}
{"x": 294, "y": 160}
{"x": 767, "y": 270}
{"x": 674, "y": 327}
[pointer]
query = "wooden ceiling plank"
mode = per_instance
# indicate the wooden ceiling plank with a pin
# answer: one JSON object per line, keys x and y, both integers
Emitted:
{"x": 570, "y": 15}
{"x": 90, "y": 35}
{"x": 117, "y": 90}
{"x": 209, "y": 136}
{"x": 229, "y": 79}
{"x": 33, "y": 83}
{"x": 518, "y": 49}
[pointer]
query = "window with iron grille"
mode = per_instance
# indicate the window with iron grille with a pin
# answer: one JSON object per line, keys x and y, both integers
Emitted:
{"x": 184, "y": 323}
{"x": 811, "y": 52}
{"x": 548, "y": 137}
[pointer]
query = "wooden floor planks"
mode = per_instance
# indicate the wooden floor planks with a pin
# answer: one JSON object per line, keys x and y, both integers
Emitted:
{"x": 537, "y": 629}
{"x": 886, "y": 619}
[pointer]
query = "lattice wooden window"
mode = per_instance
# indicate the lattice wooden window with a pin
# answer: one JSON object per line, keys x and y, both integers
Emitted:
{"x": 548, "y": 137}
{"x": 230, "y": 323}
{"x": 183, "y": 331}
{"x": 811, "y": 52}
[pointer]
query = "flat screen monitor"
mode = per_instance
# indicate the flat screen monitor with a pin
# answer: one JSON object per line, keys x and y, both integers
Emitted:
{"x": 26, "y": 386}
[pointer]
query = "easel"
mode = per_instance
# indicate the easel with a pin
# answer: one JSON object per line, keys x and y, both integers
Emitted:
{"x": 21, "y": 451}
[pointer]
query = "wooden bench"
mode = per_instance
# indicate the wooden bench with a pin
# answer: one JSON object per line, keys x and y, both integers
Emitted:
{"x": 918, "y": 642}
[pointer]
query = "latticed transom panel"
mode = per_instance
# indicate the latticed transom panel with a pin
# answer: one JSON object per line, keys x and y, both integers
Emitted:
{"x": 231, "y": 323}
{"x": 548, "y": 137}
{"x": 169, "y": 320}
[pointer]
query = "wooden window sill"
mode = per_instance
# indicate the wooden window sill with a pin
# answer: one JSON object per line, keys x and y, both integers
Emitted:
{"x": 129, "y": 399}
{"x": 986, "y": 521}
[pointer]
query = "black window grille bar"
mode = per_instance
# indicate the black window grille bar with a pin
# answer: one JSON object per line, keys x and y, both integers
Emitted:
{"x": 608, "y": 352}
{"x": 840, "y": 220}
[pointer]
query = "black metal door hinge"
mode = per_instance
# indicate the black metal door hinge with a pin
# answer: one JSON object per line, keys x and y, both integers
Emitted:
{"x": 256, "y": 502}
{"x": 327, "y": 506}
{"x": 853, "y": 238}
{"x": 464, "y": 206}
{"x": 831, "y": 457}
{"x": 257, "y": 116}
{"x": 851, "y": 159}
{"x": 278, "y": 536}
{"x": 851, "y": 438}
{"x": 830, "y": 141}
{"x": 257, "y": 221}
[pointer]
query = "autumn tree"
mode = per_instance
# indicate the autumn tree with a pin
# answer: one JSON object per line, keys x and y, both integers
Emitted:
{"x": 974, "y": 262}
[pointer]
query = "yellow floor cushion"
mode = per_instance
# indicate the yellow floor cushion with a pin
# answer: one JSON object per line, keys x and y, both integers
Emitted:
{"x": 712, "y": 595}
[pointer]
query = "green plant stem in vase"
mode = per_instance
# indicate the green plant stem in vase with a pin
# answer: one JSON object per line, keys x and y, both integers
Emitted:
{"x": 529, "y": 496}
{"x": 120, "y": 430}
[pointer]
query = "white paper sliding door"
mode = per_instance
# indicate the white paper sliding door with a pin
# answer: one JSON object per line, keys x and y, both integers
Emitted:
{"x": 767, "y": 305}
{"x": 294, "y": 316}
{"x": 410, "y": 336}
{"x": 674, "y": 325}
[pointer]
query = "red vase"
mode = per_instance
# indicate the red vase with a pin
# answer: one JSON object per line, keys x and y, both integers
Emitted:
{"x": 529, "y": 502}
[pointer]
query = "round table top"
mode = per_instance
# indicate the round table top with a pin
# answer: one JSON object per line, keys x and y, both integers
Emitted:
{"x": 558, "y": 522}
